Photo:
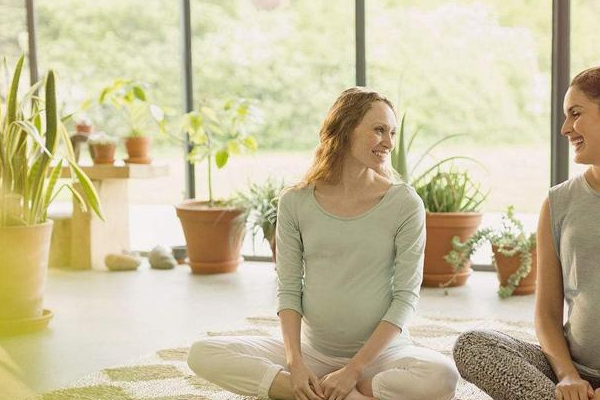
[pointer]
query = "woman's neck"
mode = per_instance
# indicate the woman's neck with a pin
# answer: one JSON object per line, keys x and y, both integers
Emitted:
{"x": 592, "y": 175}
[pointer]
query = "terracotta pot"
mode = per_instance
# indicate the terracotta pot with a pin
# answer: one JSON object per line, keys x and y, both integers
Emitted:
{"x": 441, "y": 228}
{"x": 213, "y": 236}
{"x": 138, "y": 150}
{"x": 83, "y": 128}
{"x": 272, "y": 244}
{"x": 24, "y": 252}
{"x": 506, "y": 266}
{"x": 103, "y": 153}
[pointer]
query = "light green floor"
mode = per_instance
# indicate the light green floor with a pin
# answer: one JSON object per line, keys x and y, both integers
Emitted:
{"x": 103, "y": 318}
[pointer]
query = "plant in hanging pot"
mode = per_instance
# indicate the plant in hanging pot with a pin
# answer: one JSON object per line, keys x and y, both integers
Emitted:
{"x": 214, "y": 229}
{"x": 102, "y": 148}
{"x": 130, "y": 99}
{"x": 451, "y": 200}
{"x": 30, "y": 165}
{"x": 261, "y": 201}
{"x": 513, "y": 254}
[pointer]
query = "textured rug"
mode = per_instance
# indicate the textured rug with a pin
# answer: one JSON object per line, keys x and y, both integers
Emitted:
{"x": 166, "y": 376}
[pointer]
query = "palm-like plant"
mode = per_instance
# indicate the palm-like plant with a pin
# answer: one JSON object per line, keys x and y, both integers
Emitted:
{"x": 30, "y": 134}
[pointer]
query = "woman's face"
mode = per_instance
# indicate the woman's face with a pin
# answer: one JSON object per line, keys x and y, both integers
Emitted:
{"x": 582, "y": 126}
{"x": 374, "y": 137}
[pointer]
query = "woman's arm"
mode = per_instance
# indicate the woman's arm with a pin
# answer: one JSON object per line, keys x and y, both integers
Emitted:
{"x": 549, "y": 312}
{"x": 408, "y": 275}
{"x": 379, "y": 340}
{"x": 290, "y": 271}
{"x": 290, "y": 328}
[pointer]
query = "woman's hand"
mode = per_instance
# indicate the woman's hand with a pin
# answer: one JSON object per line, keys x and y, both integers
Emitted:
{"x": 338, "y": 384}
{"x": 305, "y": 383}
{"x": 574, "y": 388}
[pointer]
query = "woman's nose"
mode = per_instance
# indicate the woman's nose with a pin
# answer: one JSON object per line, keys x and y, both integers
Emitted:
{"x": 566, "y": 127}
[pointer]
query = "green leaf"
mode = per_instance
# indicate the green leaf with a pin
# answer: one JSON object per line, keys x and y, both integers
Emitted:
{"x": 139, "y": 93}
{"x": 78, "y": 197}
{"x": 233, "y": 147}
{"x": 88, "y": 189}
{"x": 250, "y": 143}
{"x": 13, "y": 91}
{"x": 221, "y": 158}
{"x": 54, "y": 175}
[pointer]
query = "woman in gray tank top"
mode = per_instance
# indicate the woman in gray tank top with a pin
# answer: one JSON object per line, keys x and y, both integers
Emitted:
{"x": 566, "y": 365}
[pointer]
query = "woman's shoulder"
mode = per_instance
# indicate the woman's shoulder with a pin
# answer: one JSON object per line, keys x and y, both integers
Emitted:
{"x": 566, "y": 188}
{"x": 293, "y": 194}
{"x": 405, "y": 193}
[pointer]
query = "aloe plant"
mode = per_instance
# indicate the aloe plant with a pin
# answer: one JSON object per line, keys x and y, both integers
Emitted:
{"x": 401, "y": 152}
{"x": 30, "y": 136}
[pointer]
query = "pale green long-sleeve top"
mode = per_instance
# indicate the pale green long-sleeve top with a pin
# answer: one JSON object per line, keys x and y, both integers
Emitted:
{"x": 345, "y": 275}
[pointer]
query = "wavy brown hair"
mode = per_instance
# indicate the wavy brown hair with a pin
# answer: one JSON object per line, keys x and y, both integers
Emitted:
{"x": 334, "y": 137}
{"x": 588, "y": 82}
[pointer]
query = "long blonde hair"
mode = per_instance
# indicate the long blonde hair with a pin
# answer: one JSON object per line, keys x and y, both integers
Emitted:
{"x": 334, "y": 137}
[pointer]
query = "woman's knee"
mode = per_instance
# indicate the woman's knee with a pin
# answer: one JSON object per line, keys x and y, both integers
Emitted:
{"x": 471, "y": 345}
{"x": 443, "y": 378}
{"x": 202, "y": 358}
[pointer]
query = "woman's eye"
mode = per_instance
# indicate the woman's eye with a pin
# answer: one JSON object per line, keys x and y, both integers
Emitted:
{"x": 379, "y": 129}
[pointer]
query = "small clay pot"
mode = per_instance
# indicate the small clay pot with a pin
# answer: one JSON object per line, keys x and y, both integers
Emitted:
{"x": 506, "y": 266}
{"x": 83, "y": 128}
{"x": 103, "y": 153}
{"x": 138, "y": 150}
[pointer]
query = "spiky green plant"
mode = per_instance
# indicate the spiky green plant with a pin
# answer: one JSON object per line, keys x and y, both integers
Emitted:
{"x": 30, "y": 136}
{"x": 260, "y": 201}
{"x": 401, "y": 152}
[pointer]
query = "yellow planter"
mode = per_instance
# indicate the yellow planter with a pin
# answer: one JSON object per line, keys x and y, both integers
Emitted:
{"x": 24, "y": 254}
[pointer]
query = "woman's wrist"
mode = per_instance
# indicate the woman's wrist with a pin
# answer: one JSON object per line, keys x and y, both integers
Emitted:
{"x": 356, "y": 366}
{"x": 294, "y": 360}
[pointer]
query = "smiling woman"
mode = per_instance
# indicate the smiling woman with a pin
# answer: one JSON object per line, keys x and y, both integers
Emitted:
{"x": 566, "y": 365}
{"x": 350, "y": 246}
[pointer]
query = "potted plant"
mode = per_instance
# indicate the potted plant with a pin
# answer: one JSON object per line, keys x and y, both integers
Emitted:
{"x": 84, "y": 126}
{"x": 102, "y": 148}
{"x": 130, "y": 99}
{"x": 261, "y": 201}
{"x": 451, "y": 200}
{"x": 513, "y": 254}
{"x": 30, "y": 134}
{"x": 214, "y": 229}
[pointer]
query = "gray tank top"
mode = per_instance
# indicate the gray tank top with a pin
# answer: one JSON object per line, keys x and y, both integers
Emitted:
{"x": 575, "y": 221}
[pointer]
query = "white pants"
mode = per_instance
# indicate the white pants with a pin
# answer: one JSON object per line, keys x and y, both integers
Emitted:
{"x": 247, "y": 365}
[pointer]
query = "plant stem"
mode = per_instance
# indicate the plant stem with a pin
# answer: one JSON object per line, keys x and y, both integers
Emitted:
{"x": 210, "y": 196}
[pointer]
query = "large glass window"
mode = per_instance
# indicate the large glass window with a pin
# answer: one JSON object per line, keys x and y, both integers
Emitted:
{"x": 13, "y": 31}
{"x": 90, "y": 44}
{"x": 293, "y": 57}
{"x": 584, "y": 25}
{"x": 476, "y": 68}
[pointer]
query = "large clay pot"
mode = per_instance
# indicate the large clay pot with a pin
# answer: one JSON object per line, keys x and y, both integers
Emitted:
{"x": 213, "y": 236}
{"x": 138, "y": 150}
{"x": 506, "y": 266}
{"x": 24, "y": 252}
{"x": 103, "y": 153}
{"x": 273, "y": 245}
{"x": 441, "y": 228}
